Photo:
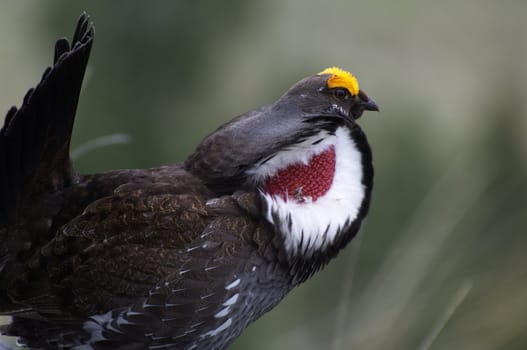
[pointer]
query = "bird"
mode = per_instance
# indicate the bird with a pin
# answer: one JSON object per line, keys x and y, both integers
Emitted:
{"x": 184, "y": 255}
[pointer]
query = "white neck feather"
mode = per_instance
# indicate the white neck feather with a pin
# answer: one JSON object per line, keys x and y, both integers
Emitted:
{"x": 311, "y": 226}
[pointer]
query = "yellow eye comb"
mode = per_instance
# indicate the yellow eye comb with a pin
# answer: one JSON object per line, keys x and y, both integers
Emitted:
{"x": 341, "y": 78}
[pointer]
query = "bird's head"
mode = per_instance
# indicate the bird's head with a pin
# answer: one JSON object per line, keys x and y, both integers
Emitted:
{"x": 332, "y": 93}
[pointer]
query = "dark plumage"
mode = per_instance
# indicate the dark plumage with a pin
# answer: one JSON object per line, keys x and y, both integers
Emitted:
{"x": 181, "y": 256}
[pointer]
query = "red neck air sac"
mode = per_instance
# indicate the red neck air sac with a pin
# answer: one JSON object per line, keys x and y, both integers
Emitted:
{"x": 299, "y": 182}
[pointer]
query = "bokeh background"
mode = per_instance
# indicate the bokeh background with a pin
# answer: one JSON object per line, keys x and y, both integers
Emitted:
{"x": 441, "y": 262}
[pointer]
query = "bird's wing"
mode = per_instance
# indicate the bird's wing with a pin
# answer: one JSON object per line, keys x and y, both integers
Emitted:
{"x": 34, "y": 141}
{"x": 155, "y": 267}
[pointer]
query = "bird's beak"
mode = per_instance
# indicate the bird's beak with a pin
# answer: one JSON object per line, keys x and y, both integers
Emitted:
{"x": 364, "y": 103}
{"x": 367, "y": 103}
{"x": 370, "y": 105}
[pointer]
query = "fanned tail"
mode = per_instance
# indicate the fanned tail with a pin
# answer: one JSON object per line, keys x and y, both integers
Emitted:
{"x": 34, "y": 141}
{"x": 34, "y": 156}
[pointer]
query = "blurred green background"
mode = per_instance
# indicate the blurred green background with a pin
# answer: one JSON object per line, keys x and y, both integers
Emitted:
{"x": 441, "y": 262}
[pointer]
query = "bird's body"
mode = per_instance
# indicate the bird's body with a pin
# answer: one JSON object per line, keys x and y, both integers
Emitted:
{"x": 182, "y": 256}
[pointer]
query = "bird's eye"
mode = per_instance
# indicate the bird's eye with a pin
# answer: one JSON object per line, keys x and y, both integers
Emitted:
{"x": 341, "y": 93}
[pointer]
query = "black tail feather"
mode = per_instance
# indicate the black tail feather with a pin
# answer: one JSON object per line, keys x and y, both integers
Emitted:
{"x": 38, "y": 334}
{"x": 34, "y": 141}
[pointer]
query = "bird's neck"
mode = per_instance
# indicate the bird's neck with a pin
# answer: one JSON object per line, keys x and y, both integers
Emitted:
{"x": 314, "y": 191}
{"x": 303, "y": 183}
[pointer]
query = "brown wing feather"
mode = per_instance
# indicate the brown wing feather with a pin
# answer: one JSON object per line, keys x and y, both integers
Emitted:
{"x": 117, "y": 226}
{"x": 156, "y": 265}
